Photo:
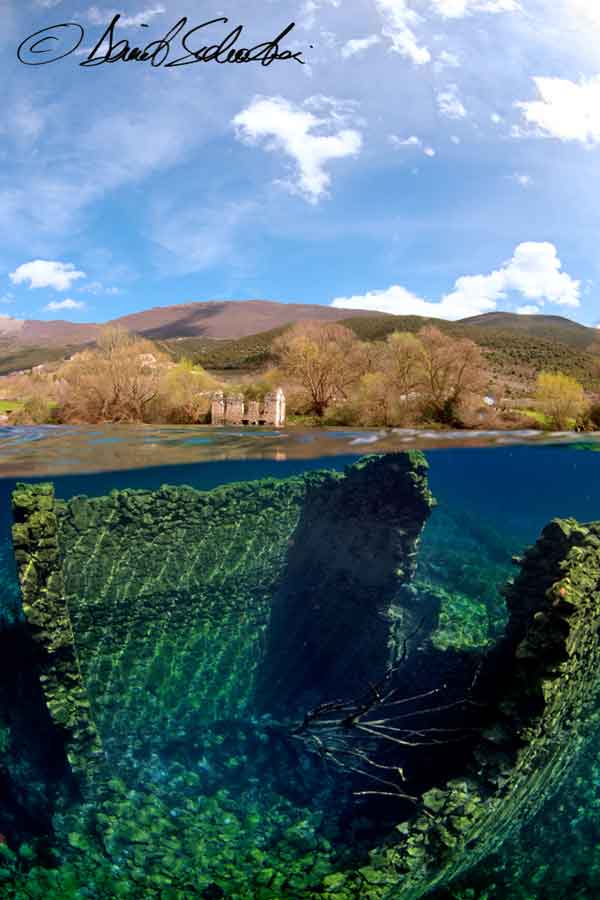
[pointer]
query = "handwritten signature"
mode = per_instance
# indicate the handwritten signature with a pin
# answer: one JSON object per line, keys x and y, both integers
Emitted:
{"x": 59, "y": 41}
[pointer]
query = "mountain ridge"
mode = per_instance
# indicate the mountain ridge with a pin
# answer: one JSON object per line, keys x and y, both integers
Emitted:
{"x": 218, "y": 319}
{"x": 232, "y": 319}
{"x": 238, "y": 335}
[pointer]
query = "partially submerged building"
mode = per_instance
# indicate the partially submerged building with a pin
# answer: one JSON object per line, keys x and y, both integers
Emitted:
{"x": 233, "y": 409}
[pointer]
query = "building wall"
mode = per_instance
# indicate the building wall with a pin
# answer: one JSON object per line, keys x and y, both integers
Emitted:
{"x": 230, "y": 409}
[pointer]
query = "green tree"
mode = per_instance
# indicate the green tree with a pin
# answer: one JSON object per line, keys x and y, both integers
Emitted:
{"x": 560, "y": 397}
{"x": 185, "y": 393}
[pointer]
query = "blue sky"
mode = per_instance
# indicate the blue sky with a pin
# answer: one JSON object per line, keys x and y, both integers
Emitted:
{"x": 438, "y": 157}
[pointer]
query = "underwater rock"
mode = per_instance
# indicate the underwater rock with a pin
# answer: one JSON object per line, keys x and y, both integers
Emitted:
{"x": 541, "y": 686}
{"x": 173, "y": 595}
{"x": 35, "y": 541}
{"x": 345, "y": 607}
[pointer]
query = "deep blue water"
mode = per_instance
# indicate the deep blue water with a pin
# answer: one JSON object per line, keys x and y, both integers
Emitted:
{"x": 516, "y": 489}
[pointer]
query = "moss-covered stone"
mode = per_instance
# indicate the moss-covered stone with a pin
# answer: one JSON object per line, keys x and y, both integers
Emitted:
{"x": 542, "y": 687}
{"x": 40, "y": 568}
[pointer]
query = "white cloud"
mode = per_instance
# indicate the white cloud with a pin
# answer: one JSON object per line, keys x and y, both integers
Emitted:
{"x": 41, "y": 273}
{"x": 7, "y": 298}
{"x": 412, "y": 141}
{"x": 398, "y": 24}
{"x": 450, "y": 104}
{"x": 458, "y": 9}
{"x": 308, "y": 13}
{"x": 522, "y": 180}
{"x": 585, "y": 13}
{"x": 454, "y": 139}
{"x": 567, "y": 110}
{"x": 96, "y": 287}
{"x": 446, "y": 60}
{"x": 104, "y": 16}
{"x": 401, "y": 302}
{"x": 534, "y": 272}
{"x": 65, "y": 304}
{"x": 47, "y": 4}
{"x": 528, "y": 310}
{"x": 496, "y": 119}
{"x": 290, "y": 128}
{"x": 359, "y": 45}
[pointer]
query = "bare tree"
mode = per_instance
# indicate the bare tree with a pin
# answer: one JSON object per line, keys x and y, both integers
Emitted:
{"x": 324, "y": 357}
{"x": 352, "y": 734}
{"x": 114, "y": 383}
{"x": 451, "y": 372}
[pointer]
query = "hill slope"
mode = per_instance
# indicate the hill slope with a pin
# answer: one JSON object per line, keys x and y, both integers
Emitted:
{"x": 238, "y": 335}
{"x": 556, "y": 328}
{"x": 226, "y": 319}
{"x": 512, "y": 354}
{"x": 212, "y": 319}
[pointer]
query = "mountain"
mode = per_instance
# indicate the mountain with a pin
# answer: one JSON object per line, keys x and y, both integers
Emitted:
{"x": 34, "y": 332}
{"x": 226, "y": 319}
{"x": 556, "y": 328}
{"x": 232, "y": 319}
{"x": 212, "y": 319}
{"x": 238, "y": 335}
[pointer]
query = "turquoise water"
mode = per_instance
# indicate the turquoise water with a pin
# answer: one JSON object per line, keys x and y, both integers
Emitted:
{"x": 240, "y": 647}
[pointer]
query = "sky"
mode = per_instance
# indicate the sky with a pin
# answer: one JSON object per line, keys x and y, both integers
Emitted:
{"x": 430, "y": 157}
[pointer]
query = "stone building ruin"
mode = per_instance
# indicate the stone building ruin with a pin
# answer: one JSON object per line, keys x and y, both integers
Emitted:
{"x": 233, "y": 409}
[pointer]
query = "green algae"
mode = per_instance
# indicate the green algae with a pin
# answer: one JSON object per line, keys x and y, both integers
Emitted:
{"x": 35, "y": 541}
{"x": 545, "y": 714}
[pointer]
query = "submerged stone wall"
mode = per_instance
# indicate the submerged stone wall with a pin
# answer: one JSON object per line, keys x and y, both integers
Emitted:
{"x": 35, "y": 541}
{"x": 541, "y": 687}
{"x": 171, "y": 594}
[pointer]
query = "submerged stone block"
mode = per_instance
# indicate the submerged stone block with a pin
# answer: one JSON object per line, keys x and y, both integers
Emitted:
{"x": 169, "y": 602}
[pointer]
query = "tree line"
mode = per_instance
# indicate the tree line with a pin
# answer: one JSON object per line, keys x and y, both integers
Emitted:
{"x": 329, "y": 375}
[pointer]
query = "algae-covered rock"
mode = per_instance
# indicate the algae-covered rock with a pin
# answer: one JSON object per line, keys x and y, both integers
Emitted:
{"x": 168, "y": 604}
{"x": 541, "y": 686}
{"x": 40, "y": 566}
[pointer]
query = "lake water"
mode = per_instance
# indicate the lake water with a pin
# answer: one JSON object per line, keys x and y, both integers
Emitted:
{"x": 354, "y": 665}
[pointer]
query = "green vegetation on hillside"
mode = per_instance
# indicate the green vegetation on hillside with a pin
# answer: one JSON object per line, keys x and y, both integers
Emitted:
{"x": 511, "y": 352}
{"x": 17, "y": 359}
{"x": 238, "y": 354}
